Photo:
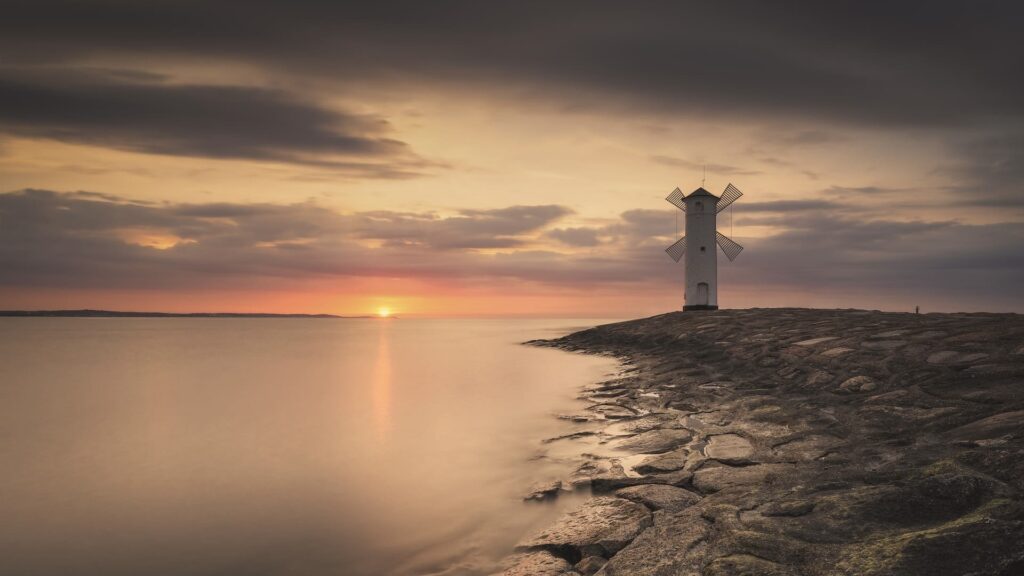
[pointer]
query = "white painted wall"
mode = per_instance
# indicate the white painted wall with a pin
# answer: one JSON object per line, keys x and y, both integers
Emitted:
{"x": 701, "y": 258}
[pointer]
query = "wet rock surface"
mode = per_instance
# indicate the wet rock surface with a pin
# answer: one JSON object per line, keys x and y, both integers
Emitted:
{"x": 791, "y": 441}
{"x": 600, "y": 527}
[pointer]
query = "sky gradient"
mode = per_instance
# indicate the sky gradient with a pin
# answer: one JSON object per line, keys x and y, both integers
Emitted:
{"x": 471, "y": 158}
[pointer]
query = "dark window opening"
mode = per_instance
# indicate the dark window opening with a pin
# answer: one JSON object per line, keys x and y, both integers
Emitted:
{"x": 703, "y": 249}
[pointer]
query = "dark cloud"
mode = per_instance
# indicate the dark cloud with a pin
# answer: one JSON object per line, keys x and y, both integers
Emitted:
{"x": 955, "y": 266}
{"x": 720, "y": 169}
{"x": 471, "y": 229}
{"x": 54, "y": 240}
{"x": 582, "y": 237}
{"x": 898, "y": 63}
{"x": 865, "y": 190}
{"x": 989, "y": 170}
{"x": 800, "y": 138}
{"x": 789, "y": 206}
{"x": 209, "y": 121}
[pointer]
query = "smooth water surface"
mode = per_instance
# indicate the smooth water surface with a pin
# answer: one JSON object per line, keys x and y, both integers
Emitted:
{"x": 276, "y": 446}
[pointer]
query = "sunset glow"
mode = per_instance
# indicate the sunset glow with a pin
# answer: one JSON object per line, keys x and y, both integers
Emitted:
{"x": 383, "y": 312}
{"x": 506, "y": 168}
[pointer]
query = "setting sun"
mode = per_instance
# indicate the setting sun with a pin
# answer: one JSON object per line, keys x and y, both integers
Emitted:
{"x": 383, "y": 311}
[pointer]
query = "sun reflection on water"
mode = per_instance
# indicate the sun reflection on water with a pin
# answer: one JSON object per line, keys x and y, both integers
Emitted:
{"x": 382, "y": 384}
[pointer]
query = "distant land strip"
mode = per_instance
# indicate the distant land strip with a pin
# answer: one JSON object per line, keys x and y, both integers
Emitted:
{"x": 120, "y": 314}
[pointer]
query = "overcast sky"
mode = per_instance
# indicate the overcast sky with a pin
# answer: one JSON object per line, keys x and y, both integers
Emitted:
{"x": 481, "y": 158}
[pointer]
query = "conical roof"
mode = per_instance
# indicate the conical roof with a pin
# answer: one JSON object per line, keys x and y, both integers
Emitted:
{"x": 701, "y": 192}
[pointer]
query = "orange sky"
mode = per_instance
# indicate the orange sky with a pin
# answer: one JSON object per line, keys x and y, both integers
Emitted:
{"x": 386, "y": 166}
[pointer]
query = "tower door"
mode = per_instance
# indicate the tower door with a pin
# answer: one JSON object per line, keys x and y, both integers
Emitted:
{"x": 702, "y": 294}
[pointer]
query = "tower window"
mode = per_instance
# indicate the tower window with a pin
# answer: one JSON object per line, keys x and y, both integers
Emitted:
{"x": 703, "y": 249}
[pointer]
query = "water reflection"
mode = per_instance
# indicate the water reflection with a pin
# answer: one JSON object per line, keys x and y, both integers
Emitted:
{"x": 191, "y": 447}
{"x": 382, "y": 383}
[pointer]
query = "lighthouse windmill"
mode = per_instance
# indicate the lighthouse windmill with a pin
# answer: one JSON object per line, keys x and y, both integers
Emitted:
{"x": 698, "y": 245}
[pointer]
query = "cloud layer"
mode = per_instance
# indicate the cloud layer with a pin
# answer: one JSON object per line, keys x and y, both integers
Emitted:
{"x": 79, "y": 240}
{"x": 906, "y": 63}
{"x": 223, "y": 122}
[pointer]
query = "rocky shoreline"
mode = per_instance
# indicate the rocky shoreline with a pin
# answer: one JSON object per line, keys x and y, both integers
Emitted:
{"x": 794, "y": 442}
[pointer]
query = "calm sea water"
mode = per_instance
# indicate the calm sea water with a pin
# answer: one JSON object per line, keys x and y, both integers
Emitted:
{"x": 276, "y": 446}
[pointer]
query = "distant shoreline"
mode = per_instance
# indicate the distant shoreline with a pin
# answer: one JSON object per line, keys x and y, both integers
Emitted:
{"x": 120, "y": 314}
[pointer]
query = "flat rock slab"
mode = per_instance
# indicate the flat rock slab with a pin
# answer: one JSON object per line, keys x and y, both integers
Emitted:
{"x": 990, "y": 427}
{"x": 536, "y": 563}
{"x": 718, "y": 478}
{"x": 667, "y": 548}
{"x": 667, "y": 462}
{"x": 659, "y": 496}
{"x": 746, "y": 565}
{"x": 590, "y": 565}
{"x": 858, "y": 385}
{"x": 790, "y": 508}
{"x": 642, "y": 424}
{"x": 730, "y": 449}
{"x": 815, "y": 341}
{"x": 995, "y": 370}
{"x": 613, "y": 411}
{"x": 954, "y": 357}
{"x": 883, "y": 344}
{"x": 837, "y": 351}
{"x": 600, "y": 527}
{"x": 807, "y": 448}
{"x": 543, "y": 490}
{"x": 655, "y": 441}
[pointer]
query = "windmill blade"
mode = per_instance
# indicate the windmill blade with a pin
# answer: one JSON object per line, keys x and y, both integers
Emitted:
{"x": 731, "y": 248}
{"x": 676, "y": 250}
{"x": 676, "y": 199}
{"x": 730, "y": 195}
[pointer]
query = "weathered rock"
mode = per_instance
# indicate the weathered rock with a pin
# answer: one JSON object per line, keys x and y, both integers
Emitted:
{"x": 654, "y": 441}
{"x": 819, "y": 378}
{"x": 746, "y": 565}
{"x": 883, "y": 344}
{"x": 667, "y": 462}
{"x": 608, "y": 483}
{"x": 791, "y": 508}
{"x": 729, "y": 449}
{"x": 600, "y": 527}
{"x": 953, "y": 357}
{"x": 995, "y": 370}
{"x": 858, "y": 384}
{"x": 536, "y": 563}
{"x": 815, "y": 341}
{"x": 613, "y": 411}
{"x": 722, "y": 477}
{"x": 543, "y": 491}
{"x": 976, "y": 546}
{"x": 586, "y": 472}
{"x": 590, "y": 565}
{"x": 675, "y": 545}
{"x": 895, "y": 448}
{"x": 835, "y": 352}
{"x": 659, "y": 496}
{"x": 641, "y": 424}
{"x": 990, "y": 427}
{"x": 807, "y": 448}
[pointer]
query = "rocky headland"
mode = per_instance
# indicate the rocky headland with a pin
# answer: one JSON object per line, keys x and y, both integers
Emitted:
{"x": 794, "y": 442}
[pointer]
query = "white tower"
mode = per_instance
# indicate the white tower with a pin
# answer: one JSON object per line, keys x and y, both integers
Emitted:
{"x": 702, "y": 236}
